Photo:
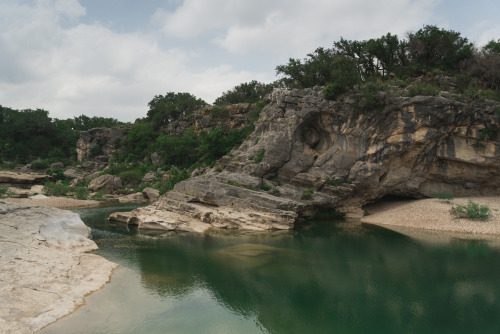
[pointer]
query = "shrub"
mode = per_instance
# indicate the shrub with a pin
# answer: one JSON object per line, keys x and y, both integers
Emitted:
{"x": 335, "y": 183}
{"x": 100, "y": 193}
{"x": 473, "y": 211}
{"x": 258, "y": 158}
{"x": 56, "y": 189}
{"x": 265, "y": 187}
{"x": 444, "y": 195}
{"x": 234, "y": 184}
{"x": 275, "y": 192}
{"x": 39, "y": 165}
{"x": 423, "y": 89}
{"x": 81, "y": 193}
{"x": 57, "y": 173}
{"x": 130, "y": 177}
{"x": 3, "y": 191}
{"x": 307, "y": 194}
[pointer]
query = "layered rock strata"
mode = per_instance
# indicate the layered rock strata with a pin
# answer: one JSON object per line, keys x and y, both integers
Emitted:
{"x": 309, "y": 154}
{"x": 46, "y": 266}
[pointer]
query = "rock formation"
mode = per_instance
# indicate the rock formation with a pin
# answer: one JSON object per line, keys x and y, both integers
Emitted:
{"x": 46, "y": 268}
{"x": 309, "y": 154}
{"x": 99, "y": 142}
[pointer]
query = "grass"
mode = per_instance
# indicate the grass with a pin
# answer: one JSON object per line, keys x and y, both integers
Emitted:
{"x": 444, "y": 196}
{"x": 307, "y": 194}
{"x": 258, "y": 158}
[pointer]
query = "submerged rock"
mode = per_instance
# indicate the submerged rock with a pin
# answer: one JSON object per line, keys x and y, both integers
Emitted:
{"x": 46, "y": 269}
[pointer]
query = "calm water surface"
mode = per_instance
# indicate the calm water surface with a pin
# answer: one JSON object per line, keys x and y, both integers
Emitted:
{"x": 329, "y": 278}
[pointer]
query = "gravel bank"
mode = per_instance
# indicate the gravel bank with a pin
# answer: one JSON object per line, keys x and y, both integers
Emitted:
{"x": 435, "y": 215}
{"x": 57, "y": 202}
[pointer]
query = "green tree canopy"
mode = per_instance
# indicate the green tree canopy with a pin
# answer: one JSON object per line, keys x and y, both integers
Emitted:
{"x": 164, "y": 109}
{"x": 84, "y": 123}
{"x": 248, "y": 92}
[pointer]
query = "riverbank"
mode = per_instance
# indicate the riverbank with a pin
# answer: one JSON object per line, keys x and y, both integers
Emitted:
{"x": 56, "y": 202}
{"x": 435, "y": 215}
{"x": 47, "y": 269}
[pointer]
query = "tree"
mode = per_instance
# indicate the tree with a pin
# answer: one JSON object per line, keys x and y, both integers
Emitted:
{"x": 433, "y": 48}
{"x": 165, "y": 109}
{"x": 248, "y": 92}
{"x": 493, "y": 46}
{"x": 84, "y": 123}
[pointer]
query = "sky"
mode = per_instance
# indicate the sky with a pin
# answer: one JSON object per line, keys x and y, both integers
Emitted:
{"x": 110, "y": 58}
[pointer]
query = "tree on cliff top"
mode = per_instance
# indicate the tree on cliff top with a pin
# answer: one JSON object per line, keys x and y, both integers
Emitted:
{"x": 165, "y": 109}
{"x": 248, "y": 92}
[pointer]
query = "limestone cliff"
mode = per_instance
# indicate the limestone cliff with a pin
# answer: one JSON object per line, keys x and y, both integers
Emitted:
{"x": 314, "y": 154}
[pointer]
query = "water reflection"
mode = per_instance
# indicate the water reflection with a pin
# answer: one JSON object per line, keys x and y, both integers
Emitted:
{"x": 327, "y": 278}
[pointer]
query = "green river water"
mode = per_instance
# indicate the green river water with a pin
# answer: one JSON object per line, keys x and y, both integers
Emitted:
{"x": 328, "y": 278}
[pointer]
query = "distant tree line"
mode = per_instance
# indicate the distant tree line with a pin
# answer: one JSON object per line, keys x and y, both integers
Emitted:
{"x": 29, "y": 134}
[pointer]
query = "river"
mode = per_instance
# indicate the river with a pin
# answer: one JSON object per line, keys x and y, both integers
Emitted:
{"x": 330, "y": 277}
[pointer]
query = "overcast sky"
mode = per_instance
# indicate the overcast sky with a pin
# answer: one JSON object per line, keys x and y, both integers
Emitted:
{"x": 111, "y": 57}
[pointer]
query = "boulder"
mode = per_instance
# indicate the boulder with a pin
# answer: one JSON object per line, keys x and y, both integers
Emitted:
{"x": 23, "y": 178}
{"x": 56, "y": 165}
{"x": 46, "y": 268}
{"x": 149, "y": 177}
{"x": 151, "y": 193}
{"x": 156, "y": 159}
{"x": 109, "y": 182}
{"x": 72, "y": 173}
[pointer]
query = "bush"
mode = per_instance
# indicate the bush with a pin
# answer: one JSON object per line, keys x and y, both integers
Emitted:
{"x": 425, "y": 89}
{"x": 258, "y": 158}
{"x": 130, "y": 177}
{"x": 39, "y": 165}
{"x": 275, "y": 192}
{"x": 473, "y": 211}
{"x": 265, "y": 187}
{"x": 56, "y": 189}
{"x": 100, "y": 193}
{"x": 81, "y": 193}
{"x": 3, "y": 191}
{"x": 307, "y": 194}
{"x": 444, "y": 195}
{"x": 59, "y": 173}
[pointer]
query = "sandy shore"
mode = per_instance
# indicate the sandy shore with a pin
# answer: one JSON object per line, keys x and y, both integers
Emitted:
{"x": 57, "y": 202}
{"x": 434, "y": 215}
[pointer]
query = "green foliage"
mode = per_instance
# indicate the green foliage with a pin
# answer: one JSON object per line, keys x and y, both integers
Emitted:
{"x": 84, "y": 123}
{"x": 265, "y": 187}
{"x": 168, "y": 108}
{"x": 100, "y": 194}
{"x": 234, "y": 184}
{"x": 493, "y": 46}
{"x": 473, "y": 211}
{"x": 444, "y": 195}
{"x": 175, "y": 176}
{"x": 130, "y": 177}
{"x": 370, "y": 97}
{"x": 3, "y": 190}
{"x": 27, "y": 134}
{"x": 56, "y": 189}
{"x": 345, "y": 75}
{"x": 307, "y": 194}
{"x": 219, "y": 112}
{"x": 433, "y": 48}
{"x": 39, "y": 165}
{"x": 56, "y": 172}
{"x": 140, "y": 142}
{"x": 248, "y": 92}
{"x": 258, "y": 158}
{"x": 81, "y": 193}
{"x": 275, "y": 192}
{"x": 179, "y": 150}
{"x": 335, "y": 183}
{"x": 422, "y": 88}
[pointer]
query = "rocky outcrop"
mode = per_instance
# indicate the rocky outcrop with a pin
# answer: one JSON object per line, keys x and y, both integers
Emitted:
{"x": 309, "y": 154}
{"x": 108, "y": 182}
{"x": 46, "y": 268}
{"x": 99, "y": 142}
{"x": 23, "y": 179}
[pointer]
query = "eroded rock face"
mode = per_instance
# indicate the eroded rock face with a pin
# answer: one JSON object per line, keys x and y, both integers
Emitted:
{"x": 23, "y": 178}
{"x": 317, "y": 154}
{"x": 100, "y": 141}
{"x": 46, "y": 269}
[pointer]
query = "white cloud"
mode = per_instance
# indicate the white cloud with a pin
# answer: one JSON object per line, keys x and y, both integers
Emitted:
{"x": 89, "y": 69}
{"x": 291, "y": 27}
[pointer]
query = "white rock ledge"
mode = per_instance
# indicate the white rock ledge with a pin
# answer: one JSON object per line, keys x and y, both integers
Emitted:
{"x": 45, "y": 268}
